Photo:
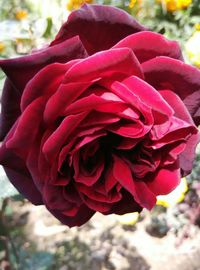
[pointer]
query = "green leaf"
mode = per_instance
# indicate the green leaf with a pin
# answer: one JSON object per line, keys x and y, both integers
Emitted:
{"x": 7, "y": 189}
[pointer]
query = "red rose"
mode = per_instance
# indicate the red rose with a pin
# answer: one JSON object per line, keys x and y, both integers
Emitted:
{"x": 101, "y": 120}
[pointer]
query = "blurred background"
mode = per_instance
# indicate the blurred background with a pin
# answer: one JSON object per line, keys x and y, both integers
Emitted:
{"x": 168, "y": 238}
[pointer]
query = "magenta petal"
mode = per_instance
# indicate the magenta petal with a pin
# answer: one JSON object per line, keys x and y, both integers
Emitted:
{"x": 140, "y": 191}
{"x": 63, "y": 97}
{"x": 27, "y": 128}
{"x": 165, "y": 180}
{"x": 112, "y": 64}
{"x": 184, "y": 80}
{"x": 98, "y": 26}
{"x": 148, "y": 95}
{"x": 188, "y": 155}
{"x": 60, "y": 135}
{"x": 45, "y": 83}
{"x": 147, "y": 45}
{"x": 88, "y": 103}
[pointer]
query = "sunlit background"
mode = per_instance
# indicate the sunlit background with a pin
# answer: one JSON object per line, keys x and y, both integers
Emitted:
{"x": 168, "y": 238}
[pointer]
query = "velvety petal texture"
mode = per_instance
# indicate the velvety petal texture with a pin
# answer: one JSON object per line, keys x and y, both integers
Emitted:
{"x": 103, "y": 119}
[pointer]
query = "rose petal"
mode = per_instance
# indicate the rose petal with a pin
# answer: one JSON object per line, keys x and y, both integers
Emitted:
{"x": 18, "y": 173}
{"x": 60, "y": 135}
{"x": 140, "y": 191}
{"x": 10, "y": 109}
{"x": 91, "y": 193}
{"x": 184, "y": 80}
{"x": 45, "y": 82}
{"x": 129, "y": 97}
{"x": 165, "y": 180}
{"x": 112, "y": 64}
{"x": 149, "y": 96}
{"x": 81, "y": 176}
{"x": 29, "y": 65}
{"x": 27, "y": 128}
{"x": 104, "y": 21}
{"x": 83, "y": 215}
{"x": 147, "y": 45}
{"x": 126, "y": 205}
{"x": 188, "y": 155}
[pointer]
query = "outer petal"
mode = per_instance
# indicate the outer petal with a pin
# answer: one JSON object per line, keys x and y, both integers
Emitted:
{"x": 184, "y": 80}
{"x": 18, "y": 174}
{"x": 10, "y": 109}
{"x": 98, "y": 26}
{"x": 21, "y": 70}
{"x": 188, "y": 155}
{"x": 147, "y": 45}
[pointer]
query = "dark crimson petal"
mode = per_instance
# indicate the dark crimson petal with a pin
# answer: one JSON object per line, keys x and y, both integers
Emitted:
{"x": 10, "y": 109}
{"x": 95, "y": 195}
{"x": 20, "y": 70}
{"x": 184, "y": 80}
{"x": 126, "y": 205}
{"x": 83, "y": 215}
{"x": 22, "y": 181}
{"x": 53, "y": 198}
{"x": 140, "y": 191}
{"x": 147, "y": 45}
{"x": 188, "y": 155}
{"x": 165, "y": 180}
{"x": 96, "y": 205}
{"x": 18, "y": 173}
{"x": 99, "y": 27}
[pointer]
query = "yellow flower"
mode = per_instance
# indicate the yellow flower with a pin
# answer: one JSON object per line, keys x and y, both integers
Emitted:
{"x": 193, "y": 49}
{"x": 21, "y": 14}
{"x": 132, "y": 3}
{"x": 173, "y": 5}
{"x": 75, "y": 4}
{"x": 2, "y": 47}
{"x": 197, "y": 26}
{"x": 128, "y": 219}
{"x": 175, "y": 196}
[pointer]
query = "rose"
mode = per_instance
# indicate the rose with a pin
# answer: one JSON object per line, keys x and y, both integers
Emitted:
{"x": 101, "y": 120}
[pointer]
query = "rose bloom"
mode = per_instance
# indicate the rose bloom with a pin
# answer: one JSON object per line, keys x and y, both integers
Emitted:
{"x": 103, "y": 119}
